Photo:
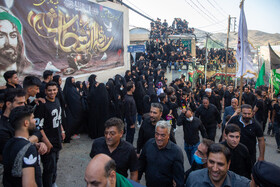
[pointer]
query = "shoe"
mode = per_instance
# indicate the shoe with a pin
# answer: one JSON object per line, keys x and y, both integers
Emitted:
{"x": 54, "y": 185}
{"x": 76, "y": 136}
{"x": 179, "y": 70}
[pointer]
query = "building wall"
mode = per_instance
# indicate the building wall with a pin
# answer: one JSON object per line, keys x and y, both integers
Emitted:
{"x": 103, "y": 76}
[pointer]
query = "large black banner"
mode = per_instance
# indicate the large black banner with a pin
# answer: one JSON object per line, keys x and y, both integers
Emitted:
{"x": 68, "y": 36}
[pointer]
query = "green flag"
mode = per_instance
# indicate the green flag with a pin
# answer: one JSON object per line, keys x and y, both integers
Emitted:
{"x": 260, "y": 80}
{"x": 276, "y": 81}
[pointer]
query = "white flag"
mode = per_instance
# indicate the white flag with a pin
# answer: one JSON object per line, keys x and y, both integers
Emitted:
{"x": 243, "y": 52}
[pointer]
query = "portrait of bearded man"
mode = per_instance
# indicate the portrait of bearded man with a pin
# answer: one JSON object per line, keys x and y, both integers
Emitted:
{"x": 12, "y": 55}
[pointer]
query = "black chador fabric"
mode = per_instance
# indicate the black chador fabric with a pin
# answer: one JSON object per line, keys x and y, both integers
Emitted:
{"x": 85, "y": 89}
{"x": 146, "y": 104}
{"x": 151, "y": 89}
{"x": 139, "y": 94}
{"x": 112, "y": 96}
{"x": 98, "y": 110}
{"x": 74, "y": 107}
{"x": 92, "y": 82}
{"x": 62, "y": 102}
{"x": 120, "y": 82}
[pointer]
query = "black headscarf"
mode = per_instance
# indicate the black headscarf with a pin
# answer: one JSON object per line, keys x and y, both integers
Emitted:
{"x": 85, "y": 89}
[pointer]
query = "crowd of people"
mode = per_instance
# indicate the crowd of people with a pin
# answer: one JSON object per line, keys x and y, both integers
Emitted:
{"x": 38, "y": 116}
{"x": 216, "y": 58}
{"x": 161, "y": 30}
{"x": 173, "y": 53}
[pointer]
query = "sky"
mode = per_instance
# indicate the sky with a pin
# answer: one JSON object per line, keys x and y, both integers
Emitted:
{"x": 208, "y": 15}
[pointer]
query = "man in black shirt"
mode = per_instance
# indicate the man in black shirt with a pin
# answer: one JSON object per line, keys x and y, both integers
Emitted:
{"x": 161, "y": 160}
{"x": 276, "y": 122}
{"x": 20, "y": 156}
{"x": 11, "y": 79}
{"x": 240, "y": 158}
{"x": 191, "y": 126}
{"x": 147, "y": 129}
{"x": 248, "y": 97}
{"x": 229, "y": 94}
{"x": 49, "y": 117}
{"x": 220, "y": 91}
{"x": 130, "y": 112}
{"x": 210, "y": 117}
{"x": 119, "y": 150}
{"x": 15, "y": 98}
{"x": 258, "y": 109}
{"x": 212, "y": 99}
{"x": 47, "y": 76}
{"x": 250, "y": 131}
{"x": 31, "y": 85}
{"x": 267, "y": 105}
{"x": 163, "y": 101}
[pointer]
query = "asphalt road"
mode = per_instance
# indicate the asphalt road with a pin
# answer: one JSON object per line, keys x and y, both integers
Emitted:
{"x": 74, "y": 157}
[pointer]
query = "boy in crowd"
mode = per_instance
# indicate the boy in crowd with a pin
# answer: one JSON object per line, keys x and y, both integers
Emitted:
{"x": 49, "y": 117}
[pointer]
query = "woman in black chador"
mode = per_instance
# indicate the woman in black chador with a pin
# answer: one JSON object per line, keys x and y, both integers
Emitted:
{"x": 138, "y": 95}
{"x": 74, "y": 109}
{"x": 98, "y": 100}
{"x": 113, "y": 98}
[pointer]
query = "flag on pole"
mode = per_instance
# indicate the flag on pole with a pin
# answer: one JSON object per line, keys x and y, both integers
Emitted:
{"x": 274, "y": 59}
{"x": 260, "y": 80}
{"x": 243, "y": 52}
{"x": 276, "y": 81}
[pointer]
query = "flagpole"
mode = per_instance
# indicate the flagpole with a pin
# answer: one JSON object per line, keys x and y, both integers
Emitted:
{"x": 242, "y": 62}
{"x": 271, "y": 85}
{"x": 241, "y": 91}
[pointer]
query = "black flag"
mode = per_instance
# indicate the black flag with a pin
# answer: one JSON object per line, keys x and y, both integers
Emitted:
{"x": 274, "y": 59}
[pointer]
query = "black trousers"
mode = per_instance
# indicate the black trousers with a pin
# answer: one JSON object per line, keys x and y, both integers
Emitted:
{"x": 211, "y": 132}
{"x": 49, "y": 168}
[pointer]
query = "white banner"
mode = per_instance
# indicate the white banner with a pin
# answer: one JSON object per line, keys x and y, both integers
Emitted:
{"x": 243, "y": 52}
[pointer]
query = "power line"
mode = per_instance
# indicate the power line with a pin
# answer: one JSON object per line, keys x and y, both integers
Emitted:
{"x": 203, "y": 11}
{"x": 207, "y": 10}
{"x": 220, "y": 7}
{"x": 210, "y": 13}
{"x": 216, "y": 8}
{"x": 220, "y": 44}
{"x": 139, "y": 8}
{"x": 197, "y": 11}
{"x": 219, "y": 30}
{"x": 212, "y": 24}
{"x": 122, "y": 3}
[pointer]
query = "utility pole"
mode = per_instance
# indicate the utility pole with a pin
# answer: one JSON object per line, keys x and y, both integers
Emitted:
{"x": 227, "y": 50}
{"x": 206, "y": 58}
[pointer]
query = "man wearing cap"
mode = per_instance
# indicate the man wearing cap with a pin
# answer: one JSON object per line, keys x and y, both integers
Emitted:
{"x": 265, "y": 174}
{"x": 212, "y": 98}
{"x": 12, "y": 55}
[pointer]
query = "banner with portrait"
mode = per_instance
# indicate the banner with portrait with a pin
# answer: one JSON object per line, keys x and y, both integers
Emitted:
{"x": 70, "y": 37}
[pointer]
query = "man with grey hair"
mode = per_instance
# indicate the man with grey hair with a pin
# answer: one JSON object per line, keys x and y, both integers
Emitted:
{"x": 147, "y": 129}
{"x": 162, "y": 160}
